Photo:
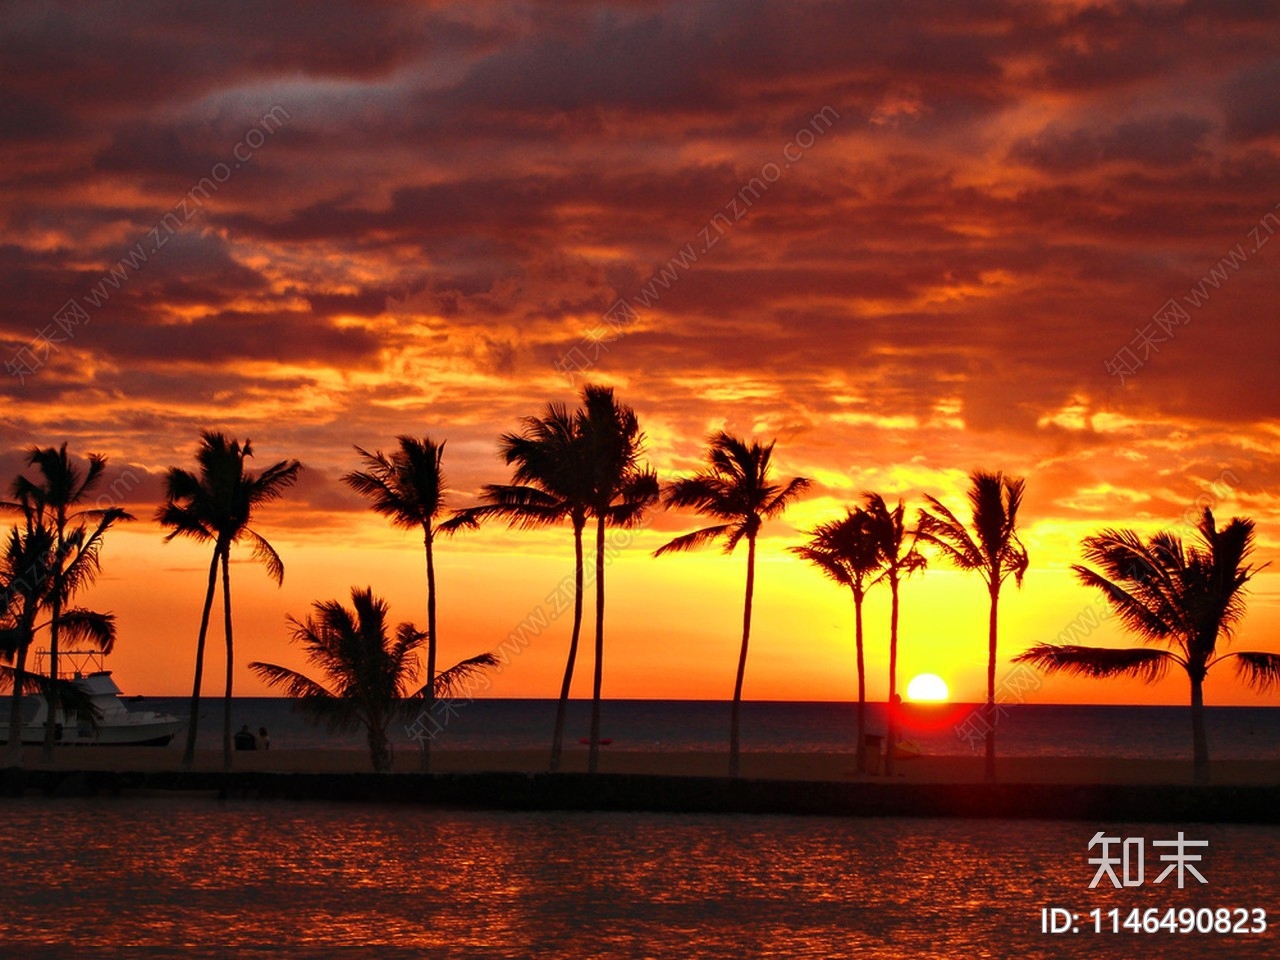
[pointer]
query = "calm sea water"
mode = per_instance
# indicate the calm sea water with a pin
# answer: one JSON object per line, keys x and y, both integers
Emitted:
{"x": 203, "y": 878}
{"x": 1033, "y": 730}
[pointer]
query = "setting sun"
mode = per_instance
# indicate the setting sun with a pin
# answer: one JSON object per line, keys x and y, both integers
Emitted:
{"x": 927, "y": 686}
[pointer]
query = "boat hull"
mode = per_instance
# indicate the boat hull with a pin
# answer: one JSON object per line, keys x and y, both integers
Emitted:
{"x": 158, "y": 733}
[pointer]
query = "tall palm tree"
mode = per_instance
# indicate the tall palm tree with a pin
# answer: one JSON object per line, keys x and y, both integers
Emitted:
{"x": 992, "y": 548}
{"x": 738, "y": 490}
{"x": 621, "y": 491}
{"x": 26, "y": 589}
{"x": 217, "y": 504}
{"x": 551, "y": 483}
{"x": 891, "y": 533}
{"x": 848, "y": 552}
{"x": 59, "y": 490}
{"x": 368, "y": 677}
{"x": 24, "y": 566}
{"x": 407, "y": 486}
{"x": 1184, "y": 598}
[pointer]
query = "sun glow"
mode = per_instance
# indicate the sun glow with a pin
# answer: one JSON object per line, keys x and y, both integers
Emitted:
{"x": 928, "y": 687}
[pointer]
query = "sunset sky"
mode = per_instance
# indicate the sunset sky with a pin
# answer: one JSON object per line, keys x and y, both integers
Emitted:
{"x": 906, "y": 240}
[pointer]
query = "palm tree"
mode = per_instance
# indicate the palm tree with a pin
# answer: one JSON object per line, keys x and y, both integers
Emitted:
{"x": 217, "y": 505}
{"x": 992, "y": 548}
{"x": 24, "y": 566}
{"x": 61, "y": 488}
{"x": 551, "y": 483}
{"x": 407, "y": 487}
{"x": 1184, "y": 598}
{"x": 890, "y": 532}
{"x": 26, "y": 588}
{"x": 621, "y": 490}
{"x": 848, "y": 552}
{"x": 737, "y": 490}
{"x": 368, "y": 676}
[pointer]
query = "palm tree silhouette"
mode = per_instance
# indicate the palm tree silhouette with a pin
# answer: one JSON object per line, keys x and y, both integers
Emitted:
{"x": 407, "y": 487}
{"x": 551, "y": 483}
{"x": 891, "y": 533}
{"x": 27, "y": 587}
{"x": 848, "y": 552}
{"x": 61, "y": 488}
{"x": 621, "y": 490}
{"x": 28, "y": 555}
{"x": 992, "y": 548}
{"x": 1185, "y": 598}
{"x": 368, "y": 677}
{"x": 217, "y": 505}
{"x": 738, "y": 490}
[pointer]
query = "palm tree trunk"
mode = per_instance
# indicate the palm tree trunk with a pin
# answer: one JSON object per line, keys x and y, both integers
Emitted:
{"x": 378, "y": 754}
{"x": 1199, "y": 742}
{"x": 429, "y": 693}
{"x": 557, "y": 739}
{"x": 55, "y": 611}
{"x": 862, "y": 684}
{"x": 735, "y": 718}
{"x": 593, "y": 756}
{"x": 891, "y": 725}
{"x": 989, "y": 773}
{"x": 189, "y": 752}
{"x": 226, "y": 628}
{"x": 13, "y": 753}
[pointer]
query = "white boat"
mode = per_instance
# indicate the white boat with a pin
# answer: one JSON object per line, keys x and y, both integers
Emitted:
{"x": 116, "y": 725}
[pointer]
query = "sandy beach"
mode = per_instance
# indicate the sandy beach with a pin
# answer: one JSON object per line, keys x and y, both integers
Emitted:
{"x": 766, "y": 766}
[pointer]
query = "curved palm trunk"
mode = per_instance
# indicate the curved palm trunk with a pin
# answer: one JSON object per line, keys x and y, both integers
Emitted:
{"x": 990, "y": 770}
{"x": 55, "y": 611}
{"x": 429, "y": 693}
{"x": 735, "y": 716}
{"x": 13, "y": 754}
{"x": 593, "y": 756}
{"x": 1199, "y": 742}
{"x": 189, "y": 751}
{"x": 862, "y": 683}
{"x": 226, "y": 627}
{"x": 557, "y": 740}
{"x": 892, "y": 707}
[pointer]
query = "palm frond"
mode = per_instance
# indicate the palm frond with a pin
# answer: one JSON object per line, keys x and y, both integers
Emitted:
{"x": 787, "y": 496}
{"x": 64, "y": 694}
{"x": 336, "y": 713}
{"x": 461, "y": 520}
{"x": 1259, "y": 670}
{"x": 943, "y": 530}
{"x": 89, "y": 626}
{"x": 1099, "y": 662}
{"x": 266, "y": 554}
{"x": 449, "y": 683}
{"x": 293, "y": 684}
{"x": 691, "y": 541}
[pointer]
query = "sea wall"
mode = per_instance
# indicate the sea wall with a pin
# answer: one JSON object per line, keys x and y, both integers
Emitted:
{"x": 574, "y": 791}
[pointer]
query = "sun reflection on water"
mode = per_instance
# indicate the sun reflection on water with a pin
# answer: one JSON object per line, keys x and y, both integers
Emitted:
{"x": 167, "y": 872}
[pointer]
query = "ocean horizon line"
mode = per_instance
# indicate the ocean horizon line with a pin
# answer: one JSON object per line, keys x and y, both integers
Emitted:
{"x": 910, "y": 704}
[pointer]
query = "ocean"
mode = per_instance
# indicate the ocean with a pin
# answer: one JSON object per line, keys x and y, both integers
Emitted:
{"x": 202, "y": 878}
{"x": 193, "y": 876}
{"x": 1022, "y": 730}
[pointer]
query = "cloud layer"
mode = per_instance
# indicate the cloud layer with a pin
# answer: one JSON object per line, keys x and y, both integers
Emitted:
{"x": 906, "y": 239}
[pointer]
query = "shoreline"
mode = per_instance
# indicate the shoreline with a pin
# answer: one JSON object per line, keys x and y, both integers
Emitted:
{"x": 1098, "y": 789}
{"x": 773, "y": 765}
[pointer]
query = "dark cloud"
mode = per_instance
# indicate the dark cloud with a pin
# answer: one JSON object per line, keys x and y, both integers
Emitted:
{"x": 459, "y": 193}
{"x": 368, "y": 303}
{"x": 1252, "y": 102}
{"x": 1155, "y": 142}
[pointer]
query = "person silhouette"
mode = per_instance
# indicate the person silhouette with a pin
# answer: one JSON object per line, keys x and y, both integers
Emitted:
{"x": 263, "y": 738}
{"x": 245, "y": 740}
